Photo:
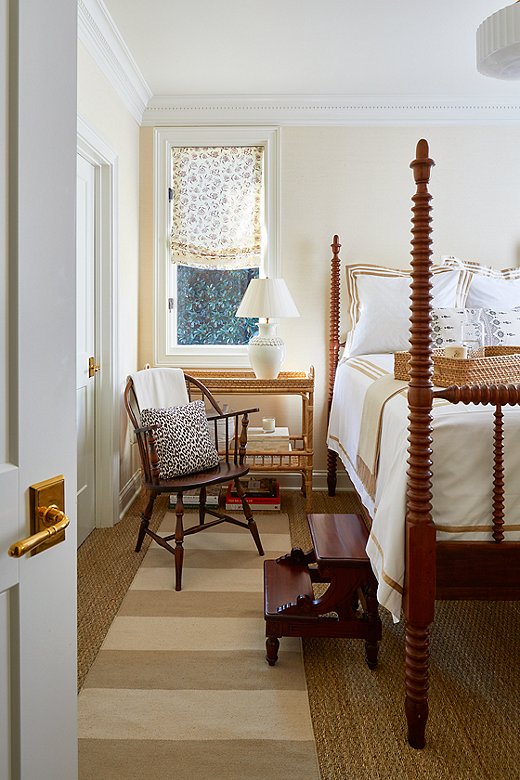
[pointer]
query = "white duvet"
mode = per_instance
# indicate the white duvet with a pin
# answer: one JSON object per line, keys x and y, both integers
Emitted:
{"x": 462, "y": 469}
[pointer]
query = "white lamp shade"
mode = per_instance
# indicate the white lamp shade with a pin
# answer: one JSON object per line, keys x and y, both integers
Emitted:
{"x": 498, "y": 44}
{"x": 267, "y": 298}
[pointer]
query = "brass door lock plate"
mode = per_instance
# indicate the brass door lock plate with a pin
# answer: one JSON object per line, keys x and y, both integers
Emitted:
{"x": 49, "y": 493}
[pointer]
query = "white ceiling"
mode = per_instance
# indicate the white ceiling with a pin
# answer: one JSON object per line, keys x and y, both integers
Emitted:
{"x": 309, "y": 47}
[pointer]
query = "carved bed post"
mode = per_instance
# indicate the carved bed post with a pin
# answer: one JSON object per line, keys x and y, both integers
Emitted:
{"x": 419, "y": 595}
{"x": 332, "y": 457}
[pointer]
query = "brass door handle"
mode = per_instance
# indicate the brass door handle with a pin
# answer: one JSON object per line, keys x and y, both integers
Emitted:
{"x": 55, "y": 521}
{"x": 92, "y": 367}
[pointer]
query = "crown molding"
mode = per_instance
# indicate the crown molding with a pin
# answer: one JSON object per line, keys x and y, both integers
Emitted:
{"x": 323, "y": 110}
{"x": 99, "y": 34}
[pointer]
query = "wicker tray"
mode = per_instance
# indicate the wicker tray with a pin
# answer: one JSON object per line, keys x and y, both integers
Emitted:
{"x": 498, "y": 365}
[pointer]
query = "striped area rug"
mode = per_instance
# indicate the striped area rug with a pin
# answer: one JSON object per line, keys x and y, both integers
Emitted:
{"x": 180, "y": 688}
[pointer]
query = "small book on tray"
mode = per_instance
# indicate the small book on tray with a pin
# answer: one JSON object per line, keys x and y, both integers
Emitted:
{"x": 261, "y": 494}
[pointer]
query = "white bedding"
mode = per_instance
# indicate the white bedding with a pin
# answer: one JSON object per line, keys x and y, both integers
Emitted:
{"x": 462, "y": 468}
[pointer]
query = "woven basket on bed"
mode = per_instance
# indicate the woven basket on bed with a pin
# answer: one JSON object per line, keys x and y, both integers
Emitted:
{"x": 498, "y": 365}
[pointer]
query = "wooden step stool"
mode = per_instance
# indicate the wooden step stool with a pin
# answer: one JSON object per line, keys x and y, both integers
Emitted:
{"x": 347, "y": 608}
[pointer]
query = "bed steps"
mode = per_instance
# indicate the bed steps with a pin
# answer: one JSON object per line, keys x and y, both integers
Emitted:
{"x": 343, "y": 603}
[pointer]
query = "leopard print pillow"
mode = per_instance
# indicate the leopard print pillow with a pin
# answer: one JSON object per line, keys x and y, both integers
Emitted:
{"x": 183, "y": 441}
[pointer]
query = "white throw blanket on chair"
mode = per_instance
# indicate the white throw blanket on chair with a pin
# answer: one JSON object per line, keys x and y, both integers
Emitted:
{"x": 159, "y": 388}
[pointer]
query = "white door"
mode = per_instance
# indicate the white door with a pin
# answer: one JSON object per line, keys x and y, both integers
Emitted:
{"x": 86, "y": 345}
{"x": 37, "y": 387}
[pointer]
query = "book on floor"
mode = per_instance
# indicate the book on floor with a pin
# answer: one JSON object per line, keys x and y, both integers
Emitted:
{"x": 192, "y": 497}
{"x": 262, "y": 494}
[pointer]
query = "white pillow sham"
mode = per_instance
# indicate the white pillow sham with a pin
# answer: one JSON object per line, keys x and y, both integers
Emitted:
{"x": 488, "y": 288}
{"x": 379, "y": 305}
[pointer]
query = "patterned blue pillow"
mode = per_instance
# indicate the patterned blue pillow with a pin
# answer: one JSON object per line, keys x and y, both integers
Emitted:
{"x": 447, "y": 325}
{"x": 502, "y": 328}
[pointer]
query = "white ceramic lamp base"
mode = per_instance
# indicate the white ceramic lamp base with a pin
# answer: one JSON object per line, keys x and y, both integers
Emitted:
{"x": 266, "y": 352}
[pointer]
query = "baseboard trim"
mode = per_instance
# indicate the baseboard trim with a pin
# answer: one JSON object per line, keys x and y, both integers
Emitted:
{"x": 319, "y": 481}
{"x": 129, "y": 493}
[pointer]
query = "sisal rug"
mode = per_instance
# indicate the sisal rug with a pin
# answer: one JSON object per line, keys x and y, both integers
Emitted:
{"x": 473, "y": 731}
{"x": 474, "y": 726}
{"x": 180, "y": 688}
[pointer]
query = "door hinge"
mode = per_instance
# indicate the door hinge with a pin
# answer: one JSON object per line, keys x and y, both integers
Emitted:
{"x": 171, "y": 304}
{"x": 170, "y": 194}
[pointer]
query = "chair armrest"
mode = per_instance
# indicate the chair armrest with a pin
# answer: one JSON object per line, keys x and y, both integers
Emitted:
{"x": 232, "y": 413}
{"x": 146, "y": 428}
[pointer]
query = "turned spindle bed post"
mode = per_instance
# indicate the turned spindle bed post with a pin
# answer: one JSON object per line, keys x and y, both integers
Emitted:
{"x": 475, "y": 569}
{"x": 419, "y": 592}
{"x": 334, "y": 345}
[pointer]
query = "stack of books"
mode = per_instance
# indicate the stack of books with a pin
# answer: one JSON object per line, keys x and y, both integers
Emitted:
{"x": 192, "y": 497}
{"x": 277, "y": 441}
{"x": 260, "y": 441}
{"x": 262, "y": 494}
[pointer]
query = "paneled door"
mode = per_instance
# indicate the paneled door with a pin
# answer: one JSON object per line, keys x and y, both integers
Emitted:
{"x": 37, "y": 387}
{"x": 86, "y": 360}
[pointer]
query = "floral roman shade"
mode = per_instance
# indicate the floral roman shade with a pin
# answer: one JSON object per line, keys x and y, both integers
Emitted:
{"x": 216, "y": 206}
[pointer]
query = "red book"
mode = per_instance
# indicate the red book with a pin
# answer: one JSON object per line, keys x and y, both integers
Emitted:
{"x": 258, "y": 502}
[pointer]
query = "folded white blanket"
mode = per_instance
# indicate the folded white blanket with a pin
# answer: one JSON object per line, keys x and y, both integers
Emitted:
{"x": 379, "y": 392}
{"x": 159, "y": 388}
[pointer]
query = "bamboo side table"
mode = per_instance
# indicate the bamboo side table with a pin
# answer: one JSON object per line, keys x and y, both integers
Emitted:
{"x": 297, "y": 383}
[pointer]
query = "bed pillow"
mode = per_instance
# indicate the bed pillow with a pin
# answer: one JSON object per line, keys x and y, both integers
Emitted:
{"x": 502, "y": 328}
{"x": 184, "y": 445}
{"x": 488, "y": 288}
{"x": 447, "y": 325}
{"x": 379, "y": 305}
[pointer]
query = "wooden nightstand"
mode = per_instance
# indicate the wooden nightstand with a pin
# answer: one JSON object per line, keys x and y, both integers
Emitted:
{"x": 299, "y": 383}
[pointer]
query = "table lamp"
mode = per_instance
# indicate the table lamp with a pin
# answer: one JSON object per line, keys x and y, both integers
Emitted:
{"x": 267, "y": 298}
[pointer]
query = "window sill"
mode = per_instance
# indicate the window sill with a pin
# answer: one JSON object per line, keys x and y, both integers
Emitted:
{"x": 205, "y": 357}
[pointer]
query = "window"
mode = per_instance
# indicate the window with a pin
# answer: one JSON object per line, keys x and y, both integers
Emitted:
{"x": 206, "y": 304}
{"x": 216, "y": 204}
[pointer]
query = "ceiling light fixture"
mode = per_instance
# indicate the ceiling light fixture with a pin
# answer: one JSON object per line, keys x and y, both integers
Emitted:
{"x": 498, "y": 44}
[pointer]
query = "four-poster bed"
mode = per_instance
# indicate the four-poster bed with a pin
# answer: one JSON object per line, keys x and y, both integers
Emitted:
{"x": 433, "y": 566}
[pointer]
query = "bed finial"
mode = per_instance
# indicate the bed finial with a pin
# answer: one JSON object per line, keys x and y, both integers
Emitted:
{"x": 422, "y": 150}
{"x": 422, "y": 163}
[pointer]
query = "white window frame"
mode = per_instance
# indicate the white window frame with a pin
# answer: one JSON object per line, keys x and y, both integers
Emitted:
{"x": 221, "y": 355}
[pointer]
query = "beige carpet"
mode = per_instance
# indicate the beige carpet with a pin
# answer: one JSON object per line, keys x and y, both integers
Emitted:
{"x": 473, "y": 730}
{"x": 180, "y": 688}
{"x": 474, "y": 726}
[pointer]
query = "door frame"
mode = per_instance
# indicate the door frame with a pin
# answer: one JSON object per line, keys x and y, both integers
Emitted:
{"x": 107, "y": 401}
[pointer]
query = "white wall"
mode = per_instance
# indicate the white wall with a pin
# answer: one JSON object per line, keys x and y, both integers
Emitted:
{"x": 102, "y": 109}
{"x": 355, "y": 181}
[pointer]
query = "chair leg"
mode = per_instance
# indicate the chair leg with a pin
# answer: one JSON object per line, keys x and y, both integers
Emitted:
{"x": 202, "y": 505}
{"x": 146, "y": 515}
{"x": 179, "y": 538}
{"x": 249, "y": 517}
